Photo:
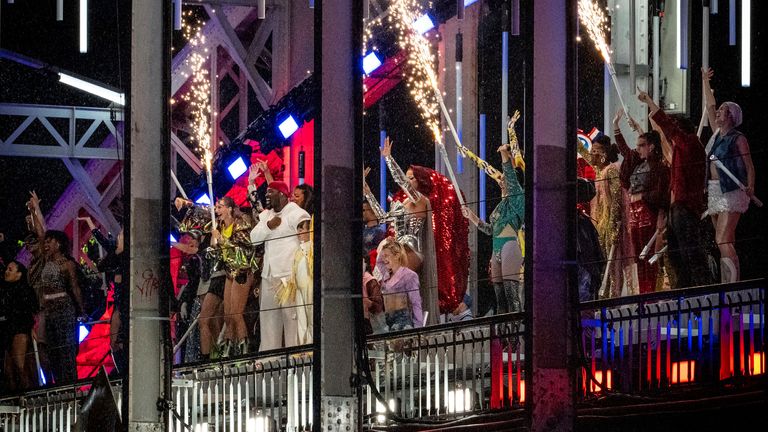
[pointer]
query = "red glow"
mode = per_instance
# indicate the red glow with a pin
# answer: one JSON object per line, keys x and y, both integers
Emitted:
{"x": 683, "y": 372}
{"x": 757, "y": 363}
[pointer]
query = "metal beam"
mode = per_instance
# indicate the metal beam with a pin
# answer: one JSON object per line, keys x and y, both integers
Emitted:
{"x": 189, "y": 157}
{"x": 53, "y": 144}
{"x": 93, "y": 196}
{"x": 239, "y": 54}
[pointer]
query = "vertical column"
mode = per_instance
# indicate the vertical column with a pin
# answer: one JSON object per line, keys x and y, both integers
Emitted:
{"x": 553, "y": 221}
{"x": 338, "y": 39}
{"x": 147, "y": 228}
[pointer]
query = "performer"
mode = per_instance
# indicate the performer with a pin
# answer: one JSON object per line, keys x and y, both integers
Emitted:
{"x": 278, "y": 231}
{"x": 726, "y": 200}
{"x": 298, "y": 292}
{"x": 18, "y": 306}
{"x": 645, "y": 177}
{"x": 606, "y": 209}
{"x": 430, "y": 242}
{"x": 687, "y": 176}
{"x": 400, "y": 289}
{"x": 505, "y": 222}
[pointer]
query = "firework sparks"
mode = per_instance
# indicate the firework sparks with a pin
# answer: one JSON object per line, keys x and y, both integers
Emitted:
{"x": 594, "y": 20}
{"x": 198, "y": 98}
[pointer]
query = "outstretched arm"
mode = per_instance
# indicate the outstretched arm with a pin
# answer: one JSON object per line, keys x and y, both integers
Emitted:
{"x": 397, "y": 172}
{"x": 709, "y": 96}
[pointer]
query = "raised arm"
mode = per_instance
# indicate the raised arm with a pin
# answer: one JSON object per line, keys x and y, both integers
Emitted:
{"x": 709, "y": 96}
{"x": 38, "y": 222}
{"x": 381, "y": 215}
{"x": 397, "y": 173}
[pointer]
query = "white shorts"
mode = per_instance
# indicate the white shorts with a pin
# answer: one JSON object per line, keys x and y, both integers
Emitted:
{"x": 735, "y": 201}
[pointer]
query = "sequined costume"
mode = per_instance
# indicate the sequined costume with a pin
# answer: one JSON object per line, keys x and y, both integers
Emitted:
{"x": 606, "y": 210}
{"x": 443, "y": 237}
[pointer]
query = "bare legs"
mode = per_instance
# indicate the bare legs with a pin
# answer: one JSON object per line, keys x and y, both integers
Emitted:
{"x": 235, "y": 298}
{"x": 210, "y": 322}
{"x": 725, "y": 236}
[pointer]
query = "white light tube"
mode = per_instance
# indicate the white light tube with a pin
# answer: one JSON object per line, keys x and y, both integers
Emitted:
{"x": 746, "y": 42}
{"x": 96, "y": 90}
{"x": 83, "y": 26}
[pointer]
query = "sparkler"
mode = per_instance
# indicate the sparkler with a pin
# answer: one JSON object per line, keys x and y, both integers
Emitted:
{"x": 595, "y": 21}
{"x": 199, "y": 99}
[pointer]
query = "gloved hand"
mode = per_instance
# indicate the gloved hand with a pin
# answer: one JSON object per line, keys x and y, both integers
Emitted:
{"x": 184, "y": 311}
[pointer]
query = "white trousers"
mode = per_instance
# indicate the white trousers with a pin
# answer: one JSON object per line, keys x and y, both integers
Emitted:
{"x": 275, "y": 322}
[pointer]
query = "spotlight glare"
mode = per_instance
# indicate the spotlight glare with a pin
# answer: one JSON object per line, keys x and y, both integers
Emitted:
{"x": 237, "y": 168}
{"x": 288, "y": 127}
{"x": 371, "y": 62}
{"x": 82, "y": 333}
{"x": 423, "y": 24}
{"x": 203, "y": 199}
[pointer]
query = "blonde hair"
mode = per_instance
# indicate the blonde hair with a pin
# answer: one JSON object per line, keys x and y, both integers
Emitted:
{"x": 396, "y": 249}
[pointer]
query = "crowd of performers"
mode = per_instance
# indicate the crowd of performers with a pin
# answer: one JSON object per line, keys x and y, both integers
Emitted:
{"x": 652, "y": 210}
{"x": 248, "y": 272}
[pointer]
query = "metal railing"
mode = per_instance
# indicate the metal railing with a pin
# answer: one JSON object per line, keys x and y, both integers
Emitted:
{"x": 650, "y": 343}
{"x": 53, "y": 410}
{"x": 269, "y": 392}
{"x": 446, "y": 372}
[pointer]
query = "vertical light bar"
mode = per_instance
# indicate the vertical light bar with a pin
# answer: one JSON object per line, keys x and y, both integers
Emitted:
{"x": 515, "y": 18}
{"x": 177, "y": 14}
{"x": 632, "y": 46}
{"x": 504, "y": 85}
{"x": 705, "y": 35}
{"x": 713, "y": 7}
{"x": 459, "y": 92}
{"x": 481, "y": 150}
{"x": 656, "y": 42}
{"x": 682, "y": 34}
{"x": 746, "y": 42}
{"x": 732, "y": 23}
{"x": 59, "y": 10}
{"x": 382, "y": 173}
{"x": 83, "y": 26}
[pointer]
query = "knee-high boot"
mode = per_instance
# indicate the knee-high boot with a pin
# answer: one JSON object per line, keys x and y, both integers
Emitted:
{"x": 501, "y": 300}
{"x": 512, "y": 292}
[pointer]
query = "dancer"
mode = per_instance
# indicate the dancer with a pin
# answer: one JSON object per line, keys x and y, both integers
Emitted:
{"x": 505, "y": 222}
{"x": 18, "y": 306}
{"x": 400, "y": 289}
{"x": 606, "y": 210}
{"x": 430, "y": 242}
{"x": 645, "y": 177}
{"x": 686, "y": 178}
{"x": 278, "y": 231}
{"x": 726, "y": 200}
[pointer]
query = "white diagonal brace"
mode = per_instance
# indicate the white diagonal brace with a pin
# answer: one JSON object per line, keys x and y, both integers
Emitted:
{"x": 92, "y": 194}
{"x": 239, "y": 55}
{"x": 189, "y": 157}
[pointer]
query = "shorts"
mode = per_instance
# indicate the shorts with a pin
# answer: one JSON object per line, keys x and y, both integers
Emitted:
{"x": 735, "y": 201}
{"x": 399, "y": 320}
{"x": 217, "y": 286}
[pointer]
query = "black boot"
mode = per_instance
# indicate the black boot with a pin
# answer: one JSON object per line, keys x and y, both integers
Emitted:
{"x": 512, "y": 292}
{"x": 501, "y": 301}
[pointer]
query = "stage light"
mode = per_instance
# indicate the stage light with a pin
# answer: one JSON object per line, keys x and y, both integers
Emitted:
{"x": 423, "y": 24}
{"x": 757, "y": 367}
{"x": 746, "y": 42}
{"x": 173, "y": 239}
{"x": 83, "y": 26}
{"x": 469, "y": 2}
{"x": 94, "y": 89}
{"x": 203, "y": 199}
{"x": 203, "y": 427}
{"x": 261, "y": 9}
{"x": 288, "y": 127}
{"x": 237, "y": 168}
{"x": 381, "y": 410}
{"x": 59, "y": 10}
{"x": 371, "y": 62}
{"x": 459, "y": 401}
{"x": 82, "y": 333}
{"x": 681, "y": 35}
{"x": 258, "y": 424}
{"x": 683, "y": 372}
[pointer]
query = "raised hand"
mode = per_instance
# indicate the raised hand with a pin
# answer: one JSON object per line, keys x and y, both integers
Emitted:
{"x": 253, "y": 172}
{"x": 643, "y": 96}
{"x": 707, "y": 73}
{"x": 619, "y": 115}
{"x": 387, "y": 149}
{"x": 89, "y": 221}
{"x": 513, "y": 120}
{"x": 366, "y": 171}
{"x": 34, "y": 201}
